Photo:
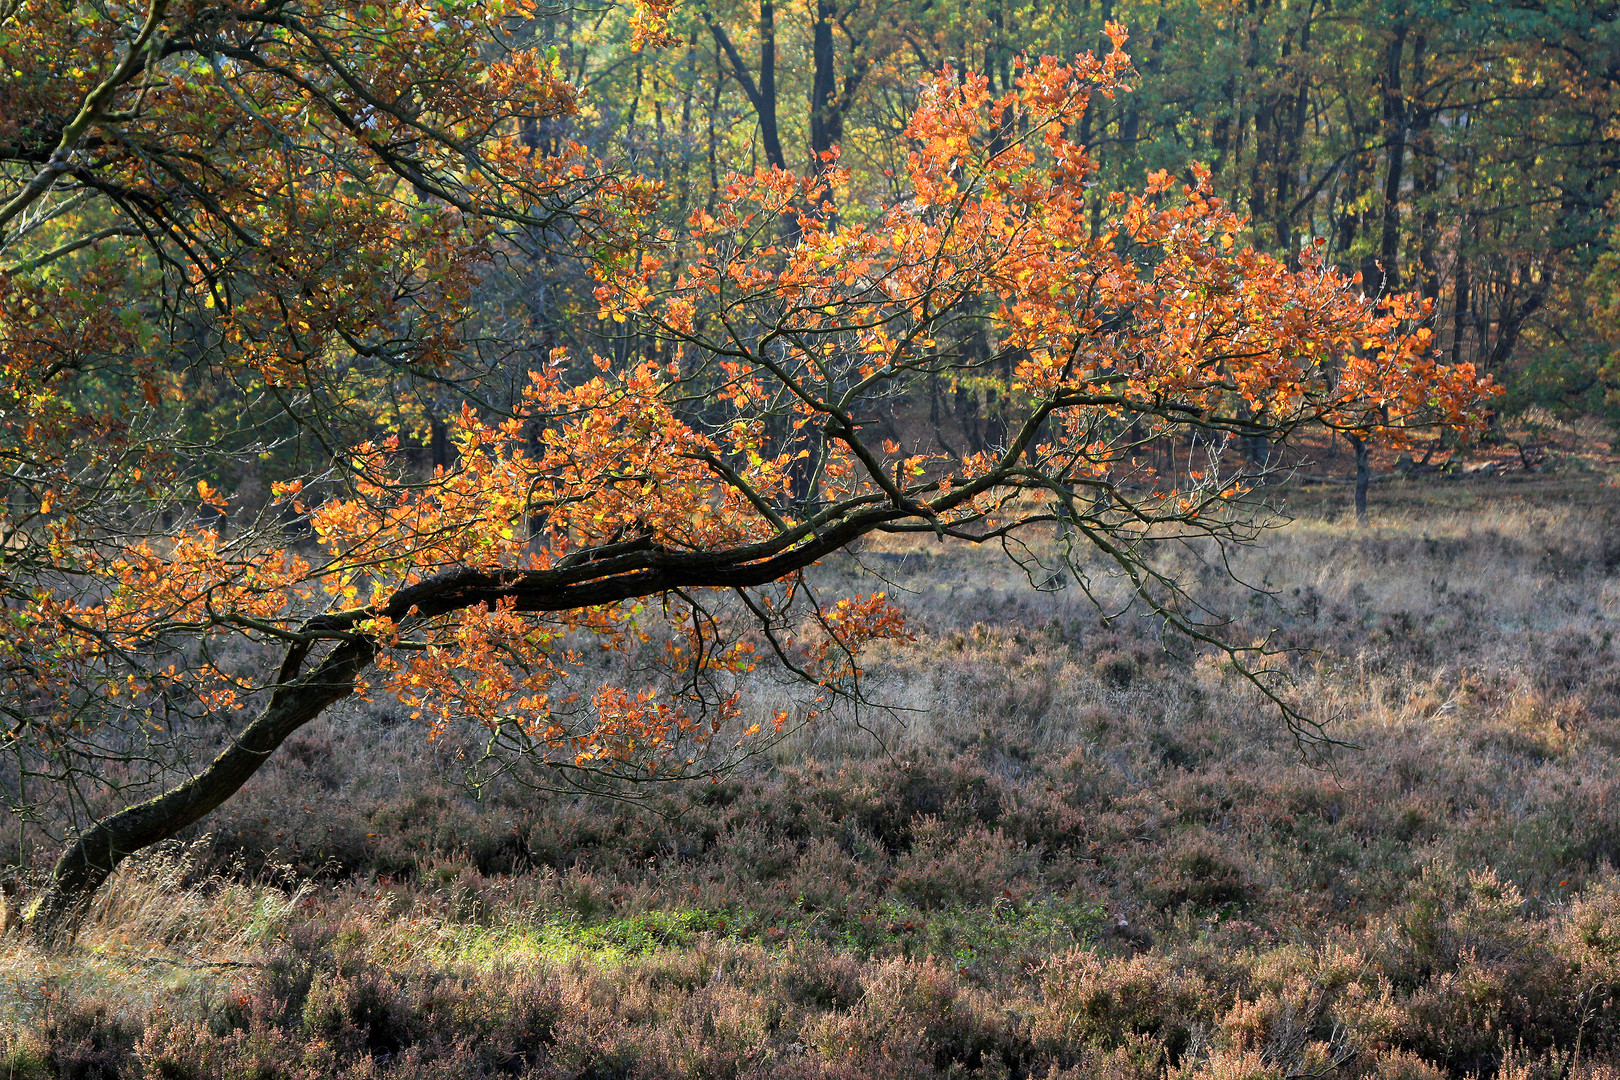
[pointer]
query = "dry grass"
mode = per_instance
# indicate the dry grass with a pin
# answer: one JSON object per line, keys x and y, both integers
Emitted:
{"x": 1074, "y": 850}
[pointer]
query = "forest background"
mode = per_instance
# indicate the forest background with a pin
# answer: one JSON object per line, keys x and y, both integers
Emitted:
{"x": 1466, "y": 151}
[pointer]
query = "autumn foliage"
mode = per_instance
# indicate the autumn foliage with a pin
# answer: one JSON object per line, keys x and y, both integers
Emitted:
{"x": 294, "y": 204}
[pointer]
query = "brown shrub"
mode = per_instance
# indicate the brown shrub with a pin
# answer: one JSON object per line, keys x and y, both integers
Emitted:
{"x": 1086, "y": 1001}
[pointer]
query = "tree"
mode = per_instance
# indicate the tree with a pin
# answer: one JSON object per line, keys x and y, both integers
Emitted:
{"x": 296, "y": 201}
{"x": 282, "y": 207}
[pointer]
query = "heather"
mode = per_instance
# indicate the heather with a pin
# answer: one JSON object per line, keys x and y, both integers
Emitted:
{"x": 1055, "y": 846}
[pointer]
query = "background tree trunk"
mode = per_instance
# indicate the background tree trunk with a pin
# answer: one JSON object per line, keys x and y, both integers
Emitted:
{"x": 1363, "y": 477}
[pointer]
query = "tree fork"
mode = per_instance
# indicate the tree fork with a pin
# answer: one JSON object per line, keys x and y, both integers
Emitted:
{"x": 90, "y": 859}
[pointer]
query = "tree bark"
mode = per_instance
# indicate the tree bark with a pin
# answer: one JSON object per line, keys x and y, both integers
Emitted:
{"x": 439, "y": 440}
{"x": 1460, "y": 292}
{"x": 1291, "y": 120}
{"x": 88, "y": 861}
{"x": 761, "y": 95}
{"x": 826, "y": 122}
{"x": 1426, "y": 183}
{"x": 1513, "y": 317}
{"x": 1363, "y": 477}
{"x": 1395, "y": 132}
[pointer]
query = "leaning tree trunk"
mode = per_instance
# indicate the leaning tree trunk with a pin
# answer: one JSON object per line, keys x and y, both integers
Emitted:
{"x": 54, "y": 917}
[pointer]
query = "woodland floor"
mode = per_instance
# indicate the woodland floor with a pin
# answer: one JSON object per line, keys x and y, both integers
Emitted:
{"x": 1071, "y": 849}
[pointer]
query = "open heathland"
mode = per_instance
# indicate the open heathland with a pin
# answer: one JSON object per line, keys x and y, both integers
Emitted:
{"x": 1067, "y": 847}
